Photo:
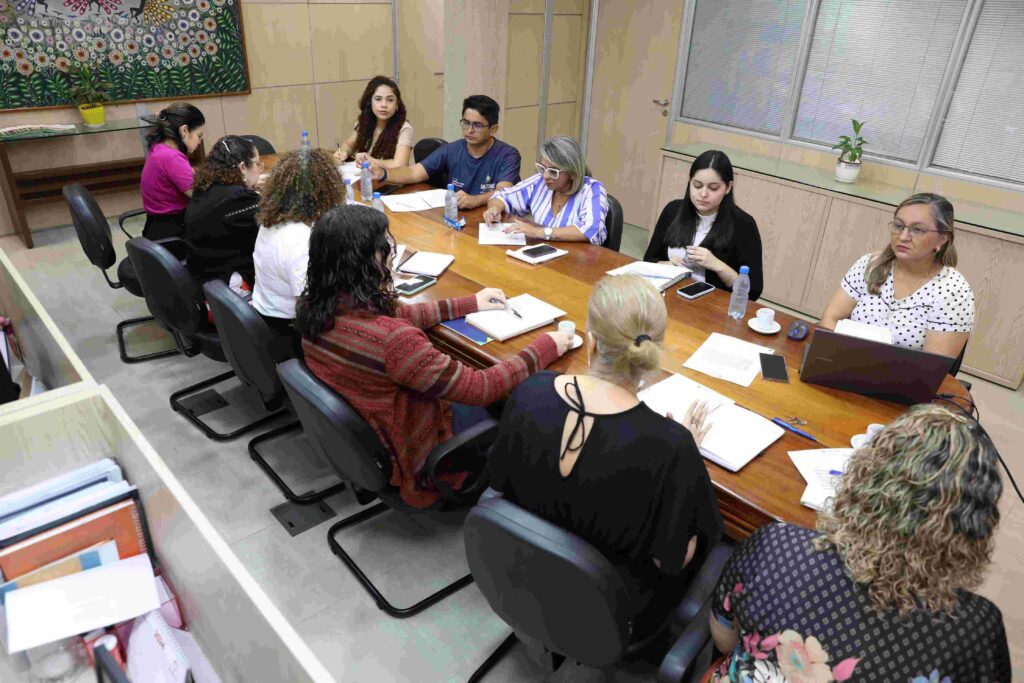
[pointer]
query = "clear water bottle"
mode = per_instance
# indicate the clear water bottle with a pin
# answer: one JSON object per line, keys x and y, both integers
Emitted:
{"x": 377, "y": 202}
{"x": 740, "y": 294}
{"x": 365, "y": 182}
{"x": 305, "y": 140}
{"x": 350, "y": 193}
{"x": 451, "y": 206}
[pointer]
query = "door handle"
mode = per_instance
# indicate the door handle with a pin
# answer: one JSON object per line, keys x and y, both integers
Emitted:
{"x": 661, "y": 103}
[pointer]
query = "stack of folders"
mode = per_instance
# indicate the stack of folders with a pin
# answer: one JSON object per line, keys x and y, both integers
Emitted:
{"x": 735, "y": 437}
{"x": 821, "y": 468}
{"x": 661, "y": 275}
{"x": 505, "y": 324}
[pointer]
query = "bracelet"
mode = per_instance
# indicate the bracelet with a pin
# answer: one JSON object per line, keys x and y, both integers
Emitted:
{"x": 384, "y": 179}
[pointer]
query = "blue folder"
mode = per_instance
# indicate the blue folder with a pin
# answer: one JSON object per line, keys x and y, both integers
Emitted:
{"x": 460, "y": 326}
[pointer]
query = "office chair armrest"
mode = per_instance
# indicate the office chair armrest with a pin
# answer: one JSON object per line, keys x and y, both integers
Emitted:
{"x": 477, "y": 438}
{"x": 680, "y": 663}
{"x": 489, "y": 493}
{"x": 703, "y": 585}
{"x": 177, "y": 246}
{"x": 125, "y": 216}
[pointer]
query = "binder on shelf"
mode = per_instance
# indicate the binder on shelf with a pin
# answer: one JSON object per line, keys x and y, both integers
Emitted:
{"x": 64, "y": 484}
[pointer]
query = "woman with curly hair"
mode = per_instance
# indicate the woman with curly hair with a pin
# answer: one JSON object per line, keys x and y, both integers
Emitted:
{"x": 302, "y": 186}
{"x": 881, "y": 591}
{"x": 167, "y": 174}
{"x": 360, "y": 341}
{"x": 220, "y": 222}
{"x": 381, "y": 134}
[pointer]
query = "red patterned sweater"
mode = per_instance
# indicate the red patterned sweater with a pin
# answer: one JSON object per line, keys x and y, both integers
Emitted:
{"x": 390, "y": 373}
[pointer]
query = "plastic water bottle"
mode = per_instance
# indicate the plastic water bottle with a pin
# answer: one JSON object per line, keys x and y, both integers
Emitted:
{"x": 377, "y": 202}
{"x": 740, "y": 294}
{"x": 350, "y": 193}
{"x": 365, "y": 182}
{"x": 451, "y": 206}
{"x": 305, "y": 140}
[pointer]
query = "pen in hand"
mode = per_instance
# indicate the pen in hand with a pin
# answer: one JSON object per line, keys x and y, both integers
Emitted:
{"x": 507, "y": 307}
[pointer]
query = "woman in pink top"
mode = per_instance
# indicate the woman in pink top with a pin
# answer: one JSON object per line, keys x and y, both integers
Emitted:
{"x": 167, "y": 175}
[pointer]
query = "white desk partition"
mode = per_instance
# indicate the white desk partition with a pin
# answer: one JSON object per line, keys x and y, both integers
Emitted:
{"x": 242, "y": 633}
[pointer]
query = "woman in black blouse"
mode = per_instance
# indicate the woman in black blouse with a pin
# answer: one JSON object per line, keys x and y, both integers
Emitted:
{"x": 706, "y": 232}
{"x": 880, "y": 592}
{"x": 585, "y": 453}
{"x": 220, "y": 222}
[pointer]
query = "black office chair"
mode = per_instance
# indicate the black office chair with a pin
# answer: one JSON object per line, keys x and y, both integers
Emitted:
{"x": 248, "y": 344}
{"x": 173, "y": 297}
{"x": 93, "y": 232}
{"x": 613, "y": 224}
{"x": 562, "y": 597}
{"x": 263, "y": 145}
{"x": 349, "y": 443}
{"x": 425, "y": 148}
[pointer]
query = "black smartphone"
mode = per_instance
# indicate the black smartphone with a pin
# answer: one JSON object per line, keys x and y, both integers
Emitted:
{"x": 539, "y": 250}
{"x": 410, "y": 285}
{"x": 387, "y": 188}
{"x": 773, "y": 367}
{"x": 694, "y": 290}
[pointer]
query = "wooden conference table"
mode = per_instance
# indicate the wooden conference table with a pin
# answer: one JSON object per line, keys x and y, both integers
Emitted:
{"x": 769, "y": 487}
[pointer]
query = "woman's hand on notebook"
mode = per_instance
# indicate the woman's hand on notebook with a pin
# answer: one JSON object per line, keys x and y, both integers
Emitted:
{"x": 695, "y": 420}
{"x": 491, "y": 299}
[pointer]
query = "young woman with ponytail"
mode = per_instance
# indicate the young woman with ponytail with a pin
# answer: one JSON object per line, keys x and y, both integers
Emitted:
{"x": 585, "y": 453}
{"x": 167, "y": 175}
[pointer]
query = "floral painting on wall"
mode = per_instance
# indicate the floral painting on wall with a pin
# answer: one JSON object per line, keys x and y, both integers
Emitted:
{"x": 145, "y": 49}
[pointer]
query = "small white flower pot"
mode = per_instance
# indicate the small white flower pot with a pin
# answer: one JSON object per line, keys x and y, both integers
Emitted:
{"x": 847, "y": 172}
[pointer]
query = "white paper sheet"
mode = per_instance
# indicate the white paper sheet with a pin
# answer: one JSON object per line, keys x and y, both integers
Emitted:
{"x": 852, "y": 328}
{"x": 816, "y": 466}
{"x": 198, "y": 664}
{"x": 661, "y": 275}
{"x": 433, "y": 198}
{"x": 349, "y": 170}
{"x": 427, "y": 263}
{"x": 728, "y": 358}
{"x": 492, "y": 233}
{"x": 405, "y": 202}
{"x": 502, "y": 324}
{"x": 154, "y": 653}
{"x": 79, "y": 603}
{"x": 675, "y": 393}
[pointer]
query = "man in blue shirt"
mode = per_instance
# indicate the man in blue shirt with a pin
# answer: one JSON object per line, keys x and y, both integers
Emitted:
{"x": 478, "y": 165}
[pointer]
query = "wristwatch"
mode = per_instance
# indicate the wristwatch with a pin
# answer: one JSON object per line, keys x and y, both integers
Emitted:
{"x": 547, "y": 233}
{"x": 385, "y": 176}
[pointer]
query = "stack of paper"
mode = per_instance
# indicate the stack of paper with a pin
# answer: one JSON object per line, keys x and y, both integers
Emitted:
{"x": 735, "y": 435}
{"x": 503, "y": 324}
{"x": 661, "y": 275}
{"x": 728, "y": 358}
{"x": 821, "y": 469}
{"x": 427, "y": 263}
{"x": 852, "y": 328}
{"x": 493, "y": 233}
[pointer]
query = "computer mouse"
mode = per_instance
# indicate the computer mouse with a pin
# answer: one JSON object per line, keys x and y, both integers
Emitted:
{"x": 798, "y": 329}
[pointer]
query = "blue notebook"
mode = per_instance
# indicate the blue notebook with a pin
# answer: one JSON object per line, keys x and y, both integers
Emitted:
{"x": 460, "y": 326}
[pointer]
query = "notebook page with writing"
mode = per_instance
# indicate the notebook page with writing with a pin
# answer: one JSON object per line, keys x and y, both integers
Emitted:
{"x": 737, "y": 436}
{"x": 432, "y": 198}
{"x": 675, "y": 393}
{"x": 502, "y": 324}
{"x": 427, "y": 263}
{"x": 405, "y": 202}
{"x": 492, "y": 233}
{"x": 661, "y": 275}
{"x": 728, "y": 358}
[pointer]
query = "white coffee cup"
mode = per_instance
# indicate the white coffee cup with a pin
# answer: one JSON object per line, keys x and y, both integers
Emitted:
{"x": 569, "y": 327}
{"x": 765, "y": 319}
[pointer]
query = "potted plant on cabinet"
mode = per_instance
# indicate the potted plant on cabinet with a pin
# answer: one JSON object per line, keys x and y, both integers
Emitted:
{"x": 851, "y": 149}
{"x": 89, "y": 93}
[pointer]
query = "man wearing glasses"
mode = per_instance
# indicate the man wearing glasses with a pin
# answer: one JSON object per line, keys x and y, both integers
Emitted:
{"x": 478, "y": 165}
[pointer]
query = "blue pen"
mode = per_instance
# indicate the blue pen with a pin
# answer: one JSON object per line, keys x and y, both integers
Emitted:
{"x": 785, "y": 425}
{"x": 835, "y": 473}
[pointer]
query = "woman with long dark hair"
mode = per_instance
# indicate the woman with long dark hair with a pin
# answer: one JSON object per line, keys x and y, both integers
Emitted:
{"x": 167, "y": 175}
{"x": 706, "y": 232}
{"x": 360, "y": 341}
{"x": 220, "y": 222}
{"x": 381, "y": 135}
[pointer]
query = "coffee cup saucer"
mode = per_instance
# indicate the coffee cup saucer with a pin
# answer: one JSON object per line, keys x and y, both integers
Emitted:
{"x": 577, "y": 342}
{"x": 752, "y": 324}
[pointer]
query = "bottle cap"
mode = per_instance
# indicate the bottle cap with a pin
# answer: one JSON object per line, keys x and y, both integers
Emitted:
{"x": 347, "y": 181}
{"x": 366, "y": 164}
{"x": 376, "y": 195}
{"x": 744, "y": 270}
{"x": 451, "y": 187}
{"x": 305, "y": 133}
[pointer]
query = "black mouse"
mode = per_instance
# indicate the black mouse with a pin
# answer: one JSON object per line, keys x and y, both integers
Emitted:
{"x": 798, "y": 329}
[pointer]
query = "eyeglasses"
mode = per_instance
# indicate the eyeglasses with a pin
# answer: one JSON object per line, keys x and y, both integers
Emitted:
{"x": 552, "y": 173}
{"x": 475, "y": 125}
{"x": 916, "y": 231}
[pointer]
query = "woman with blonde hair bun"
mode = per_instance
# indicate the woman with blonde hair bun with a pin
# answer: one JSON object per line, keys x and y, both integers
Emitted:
{"x": 583, "y": 452}
{"x": 880, "y": 591}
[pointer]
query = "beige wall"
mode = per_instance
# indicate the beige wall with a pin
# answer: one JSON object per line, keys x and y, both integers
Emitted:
{"x": 470, "y": 64}
{"x": 421, "y": 64}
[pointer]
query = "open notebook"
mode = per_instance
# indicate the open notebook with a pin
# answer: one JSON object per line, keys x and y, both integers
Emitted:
{"x": 736, "y": 435}
{"x": 426, "y": 263}
{"x": 661, "y": 275}
{"x": 503, "y": 324}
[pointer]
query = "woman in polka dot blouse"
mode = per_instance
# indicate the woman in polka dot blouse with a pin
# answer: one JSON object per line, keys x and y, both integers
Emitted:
{"x": 911, "y": 287}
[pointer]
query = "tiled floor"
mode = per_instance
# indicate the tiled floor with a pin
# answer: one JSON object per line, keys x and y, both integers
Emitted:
{"x": 407, "y": 557}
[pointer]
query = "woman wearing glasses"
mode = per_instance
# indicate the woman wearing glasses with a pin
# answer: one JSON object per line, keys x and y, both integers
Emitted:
{"x": 911, "y": 286}
{"x": 565, "y": 204}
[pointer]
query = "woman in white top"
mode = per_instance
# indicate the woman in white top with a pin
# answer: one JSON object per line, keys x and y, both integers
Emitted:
{"x": 911, "y": 286}
{"x": 563, "y": 202}
{"x": 301, "y": 187}
{"x": 381, "y": 135}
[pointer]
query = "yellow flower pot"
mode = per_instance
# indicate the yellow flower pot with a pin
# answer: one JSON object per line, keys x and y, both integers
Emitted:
{"x": 93, "y": 116}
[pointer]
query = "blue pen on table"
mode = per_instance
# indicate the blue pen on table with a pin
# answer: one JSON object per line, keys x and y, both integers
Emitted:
{"x": 785, "y": 425}
{"x": 835, "y": 473}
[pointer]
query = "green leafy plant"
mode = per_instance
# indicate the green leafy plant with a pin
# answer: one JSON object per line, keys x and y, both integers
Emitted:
{"x": 87, "y": 87}
{"x": 851, "y": 148}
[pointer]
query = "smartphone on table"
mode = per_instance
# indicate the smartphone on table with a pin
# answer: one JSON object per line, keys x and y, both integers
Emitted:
{"x": 694, "y": 290}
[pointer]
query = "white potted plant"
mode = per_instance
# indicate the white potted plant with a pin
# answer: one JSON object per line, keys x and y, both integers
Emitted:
{"x": 851, "y": 149}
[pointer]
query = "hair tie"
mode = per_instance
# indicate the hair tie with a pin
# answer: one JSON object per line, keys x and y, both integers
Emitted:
{"x": 641, "y": 338}
{"x": 226, "y": 148}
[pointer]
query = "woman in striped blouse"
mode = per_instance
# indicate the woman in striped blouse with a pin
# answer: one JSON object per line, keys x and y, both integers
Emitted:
{"x": 564, "y": 203}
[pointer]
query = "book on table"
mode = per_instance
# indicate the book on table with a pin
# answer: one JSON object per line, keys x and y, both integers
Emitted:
{"x": 426, "y": 263}
{"x": 502, "y": 324}
{"x": 661, "y": 275}
{"x": 736, "y": 435}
